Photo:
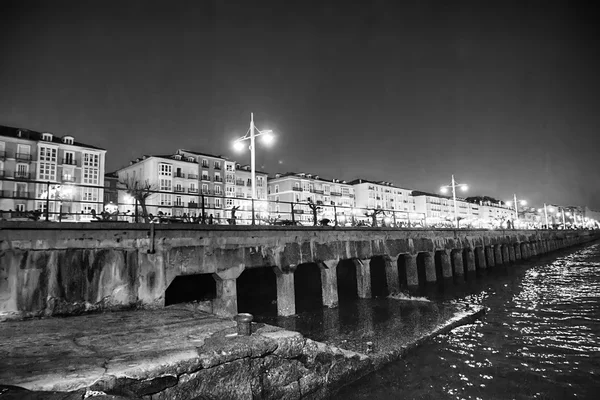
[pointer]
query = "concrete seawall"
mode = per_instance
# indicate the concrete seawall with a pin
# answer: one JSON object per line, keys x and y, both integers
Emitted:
{"x": 60, "y": 269}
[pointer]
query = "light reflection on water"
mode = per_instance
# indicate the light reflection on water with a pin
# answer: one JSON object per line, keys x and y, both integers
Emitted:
{"x": 540, "y": 339}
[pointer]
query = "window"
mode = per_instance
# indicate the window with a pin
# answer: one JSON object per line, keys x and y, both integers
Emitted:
{"x": 90, "y": 160}
{"x": 165, "y": 199}
{"x": 47, "y": 137}
{"x": 87, "y": 208}
{"x": 47, "y": 171}
{"x": 345, "y": 191}
{"x": 217, "y": 165}
{"x": 205, "y": 163}
{"x": 47, "y": 154}
{"x": 218, "y": 202}
{"x": 178, "y": 201}
{"x": 217, "y": 189}
{"x": 22, "y": 171}
{"x": 165, "y": 184}
{"x": 276, "y": 188}
{"x": 229, "y": 203}
{"x": 90, "y": 194}
{"x": 230, "y": 178}
{"x": 90, "y": 176}
{"x": 326, "y": 189}
{"x": 69, "y": 158}
{"x": 67, "y": 140}
{"x": 229, "y": 167}
{"x": 218, "y": 177}
{"x": 165, "y": 169}
{"x": 204, "y": 188}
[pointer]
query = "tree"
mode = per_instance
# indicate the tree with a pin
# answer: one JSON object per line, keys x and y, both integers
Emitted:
{"x": 140, "y": 192}
{"x": 315, "y": 210}
{"x": 373, "y": 215}
{"x": 482, "y": 200}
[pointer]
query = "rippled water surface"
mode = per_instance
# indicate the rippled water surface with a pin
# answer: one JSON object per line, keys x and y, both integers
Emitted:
{"x": 540, "y": 339}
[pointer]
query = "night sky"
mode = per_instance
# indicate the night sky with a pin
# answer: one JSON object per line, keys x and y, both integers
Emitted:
{"x": 503, "y": 94}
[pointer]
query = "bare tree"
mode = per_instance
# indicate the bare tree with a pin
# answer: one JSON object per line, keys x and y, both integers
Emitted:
{"x": 140, "y": 191}
{"x": 315, "y": 210}
{"x": 373, "y": 215}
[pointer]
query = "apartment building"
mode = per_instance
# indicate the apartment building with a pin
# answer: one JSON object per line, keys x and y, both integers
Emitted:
{"x": 41, "y": 171}
{"x": 332, "y": 195}
{"x": 398, "y": 202}
{"x": 188, "y": 181}
{"x": 242, "y": 196}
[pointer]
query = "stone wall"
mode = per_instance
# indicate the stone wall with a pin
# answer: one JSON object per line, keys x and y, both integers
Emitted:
{"x": 54, "y": 269}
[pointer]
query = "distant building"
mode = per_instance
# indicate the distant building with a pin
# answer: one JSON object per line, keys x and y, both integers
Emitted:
{"x": 188, "y": 182}
{"x": 298, "y": 188}
{"x": 398, "y": 203}
{"x": 111, "y": 188}
{"x": 40, "y": 171}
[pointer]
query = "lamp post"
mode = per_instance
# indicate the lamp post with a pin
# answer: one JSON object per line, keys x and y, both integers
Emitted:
{"x": 250, "y": 135}
{"x": 545, "y": 214}
{"x": 454, "y": 185}
{"x": 522, "y": 202}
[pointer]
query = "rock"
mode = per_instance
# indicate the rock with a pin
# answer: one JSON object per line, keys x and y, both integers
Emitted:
{"x": 289, "y": 344}
{"x": 18, "y": 393}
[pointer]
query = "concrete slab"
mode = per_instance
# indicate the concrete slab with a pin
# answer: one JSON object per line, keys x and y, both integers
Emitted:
{"x": 72, "y": 353}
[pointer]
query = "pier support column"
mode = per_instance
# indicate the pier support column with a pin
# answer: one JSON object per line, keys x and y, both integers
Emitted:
{"x": 225, "y": 304}
{"x": 329, "y": 285}
{"x": 517, "y": 248}
{"x": 363, "y": 278}
{"x": 458, "y": 269}
{"x": 525, "y": 251}
{"x": 407, "y": 264}
{"x": 489, "y": 256}
{"x": 505, "y": 254}
{"x": 469, "y": 261}
{"x": 534, "y": 248}
{"x": 511, "y": 252}
{"x": 429, "y": 262}
{"x": 391, "y": 274}
{"x": 480, "y": 262}
{"x": 498, "y": 254}
{"x": 286, "y": 295}
{"x": 445, "y": 265}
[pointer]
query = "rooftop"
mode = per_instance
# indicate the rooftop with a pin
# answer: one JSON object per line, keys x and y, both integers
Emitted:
{"x": 303, "y": 175}
{"x": 26, "y": 134}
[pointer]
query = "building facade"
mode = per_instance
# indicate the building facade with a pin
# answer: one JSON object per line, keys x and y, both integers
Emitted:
{"x": 335, "y": 198}
{"x": 187, "y": 183}
{"x": 398, "y": 203}
{"x": 58, "y": 176}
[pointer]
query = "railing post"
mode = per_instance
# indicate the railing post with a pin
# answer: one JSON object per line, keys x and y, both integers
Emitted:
{"x": 136, "y": 211}
{"x": 394, "y": 216}
{"x": 203, "y": 210}
{"x": 253, "y": 217}
{"x": 335, "y": 214}
{"x": 47, "y": 200}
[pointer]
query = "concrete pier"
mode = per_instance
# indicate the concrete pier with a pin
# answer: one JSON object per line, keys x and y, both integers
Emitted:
{"x": 64, "y": 269}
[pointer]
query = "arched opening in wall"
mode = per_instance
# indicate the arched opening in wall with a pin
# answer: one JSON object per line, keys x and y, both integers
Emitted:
{"x": 257, "y": 291}
{"x": 379, "y": 286}
{"x": 200, "y": 288}
{"x": 423, "y": 259}
{"x": 307, "y": 287}
{"x": 346, "y": 281}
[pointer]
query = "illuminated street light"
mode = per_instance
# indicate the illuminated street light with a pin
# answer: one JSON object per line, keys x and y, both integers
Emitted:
{"x": 250, "y": 135}
{"x": 515, "y": 202}
{"x": 454, "y": 185}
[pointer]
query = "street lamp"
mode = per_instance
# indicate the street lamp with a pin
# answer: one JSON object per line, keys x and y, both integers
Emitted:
{"x": 454, "y": 185}
{"x": 250, "y": 135}
{"x": 521, "y": 202}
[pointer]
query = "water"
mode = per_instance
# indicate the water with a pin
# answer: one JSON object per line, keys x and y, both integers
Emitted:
{"x": 540, "y": 338}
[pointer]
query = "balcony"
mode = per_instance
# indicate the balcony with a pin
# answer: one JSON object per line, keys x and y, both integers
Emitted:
{"x": 207, "y": 191}
{"x": 69, "y": 161}
{"x": 22, "y": 175}
{"x": 21, "y": 195}
{"x": 240, "y": 195}
{"x": 218, "y": 179}
{"x": 179, "y": 190}
{"x": 317, "y": 191}
{"x": 193, "y": 191}
{"x": 192, "y": 176}
{"x": 191, "y": 204}
{"x": 217, "y": 167}
{"x": 335, "y": 194}
{"x": 297, "y": 189}
{"x": 178, "y": 205}
{"x": 68, "y": 178}
{"x": 352, "y": 196}
{"x": 206, "y": 178}
{"x": 179, "y": 175}
{"x": 240, "y": 183}
{"x": 23, "y": 157}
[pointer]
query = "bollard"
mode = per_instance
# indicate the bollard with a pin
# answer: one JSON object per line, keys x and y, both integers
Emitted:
{"x": 244, "y": 322}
